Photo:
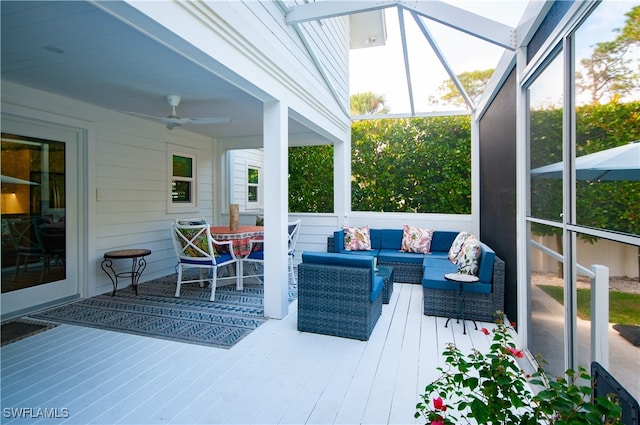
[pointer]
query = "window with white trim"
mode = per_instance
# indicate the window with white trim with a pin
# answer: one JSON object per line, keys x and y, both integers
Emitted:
{"x": 253, "y": 192}
{"x": 182, "y": 181}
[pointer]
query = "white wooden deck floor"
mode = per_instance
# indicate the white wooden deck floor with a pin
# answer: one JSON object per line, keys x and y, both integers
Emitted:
{"x": 276, "y": 375}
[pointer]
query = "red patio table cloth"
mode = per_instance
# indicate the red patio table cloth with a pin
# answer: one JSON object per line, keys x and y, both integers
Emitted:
{"x": 239, "y": 238}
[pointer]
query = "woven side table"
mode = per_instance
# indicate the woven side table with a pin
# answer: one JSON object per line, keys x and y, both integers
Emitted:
{"x": 387, "y": 275}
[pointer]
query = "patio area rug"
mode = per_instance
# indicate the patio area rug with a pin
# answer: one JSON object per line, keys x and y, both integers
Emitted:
{"x": 156, "y": 313}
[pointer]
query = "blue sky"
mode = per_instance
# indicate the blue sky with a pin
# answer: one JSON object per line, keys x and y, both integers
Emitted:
{"x": 381, "y": 69}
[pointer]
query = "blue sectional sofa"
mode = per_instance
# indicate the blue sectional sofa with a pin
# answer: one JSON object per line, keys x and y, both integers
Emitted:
{"x": 338, "y": 294}
{"x": 441, "y": 297}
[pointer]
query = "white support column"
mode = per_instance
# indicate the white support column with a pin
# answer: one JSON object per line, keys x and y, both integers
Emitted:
{"x": 342, "y": 180}
{"x": 600, "y": 315}
{"x": 522, "y": 192}
{"x": 475, "y": 175}
{"x": 276, "y": 283}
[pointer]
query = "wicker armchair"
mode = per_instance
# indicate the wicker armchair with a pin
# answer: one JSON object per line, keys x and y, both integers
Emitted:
{"x": 339, "y": 295}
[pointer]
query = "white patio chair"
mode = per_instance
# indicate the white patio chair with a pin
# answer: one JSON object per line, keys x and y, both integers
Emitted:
{"x": 255, "y": 259}
{"x": 196, "y": 248}
{"x": 293, "y": 231}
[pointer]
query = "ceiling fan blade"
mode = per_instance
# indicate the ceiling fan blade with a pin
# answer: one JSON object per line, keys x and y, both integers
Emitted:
{"x": 179, "y": 120}
{"x": 210, "y": 120}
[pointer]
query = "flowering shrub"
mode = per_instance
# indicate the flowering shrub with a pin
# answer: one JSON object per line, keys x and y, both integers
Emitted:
{"x": 492, "y": 389}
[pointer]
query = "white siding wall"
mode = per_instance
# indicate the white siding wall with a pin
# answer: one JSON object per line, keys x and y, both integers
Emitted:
{"x": 126, "y": 165}
{"x": 128, "y": 157}
{"x": 238, "y": 161}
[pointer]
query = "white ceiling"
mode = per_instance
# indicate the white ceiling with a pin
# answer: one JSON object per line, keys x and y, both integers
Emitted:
{"x": 76, "y": 50}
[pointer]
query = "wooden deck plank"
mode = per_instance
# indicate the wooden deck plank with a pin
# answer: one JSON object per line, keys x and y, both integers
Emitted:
{"x": 144, "y": 392}
{"x": 355, "y": 403}
{"x": 381, "y": 395}
{"x": 160, "y": 402}
{"x": 274, "y": 375}
{"x": 407, "y": 383}
{"x": 100, "y": 395}
{"x": 59, "y": 372}
{"x": 276, "y": 369}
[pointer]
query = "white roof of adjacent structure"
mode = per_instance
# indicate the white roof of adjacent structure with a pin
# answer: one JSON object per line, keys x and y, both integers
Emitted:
{"x": 414, "y": 46}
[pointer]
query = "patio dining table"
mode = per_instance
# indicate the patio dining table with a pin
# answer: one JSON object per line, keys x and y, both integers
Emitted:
{"x": 239, "y": 237}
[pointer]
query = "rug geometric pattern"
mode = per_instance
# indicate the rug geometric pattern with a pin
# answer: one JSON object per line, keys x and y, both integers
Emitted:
{"x": 155, "y": 312}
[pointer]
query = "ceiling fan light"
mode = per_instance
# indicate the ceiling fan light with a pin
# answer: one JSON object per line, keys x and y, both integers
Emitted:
{"x": 173, "y": 99}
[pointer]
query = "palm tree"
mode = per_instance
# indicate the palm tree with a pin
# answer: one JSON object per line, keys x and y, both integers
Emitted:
{"x": 368, "y": 103}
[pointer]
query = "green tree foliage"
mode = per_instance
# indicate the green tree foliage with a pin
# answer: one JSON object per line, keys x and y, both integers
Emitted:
{"x": 630, "y": 33}
{"x": 311, "y": 179}
{"x": 415, "y": 165}
{"x": 368, "y": 103}
{"x": 612, "y": 205}
{"x": 474, "y": 83}
{"x": 607, "y": 73}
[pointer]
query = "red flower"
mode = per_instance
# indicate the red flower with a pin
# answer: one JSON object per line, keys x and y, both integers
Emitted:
{"x": 517, "y": 353}
{"x": 485, "y": 331}
{"x": 513, "y": 324}
{"x": 438, "y": 404}
{"x": 438, "y": 421}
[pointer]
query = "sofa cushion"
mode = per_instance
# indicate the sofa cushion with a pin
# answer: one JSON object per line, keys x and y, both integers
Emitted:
{"x": 347, "y": 260}
{"x": 433, "y": 278}
{"x": 456, "y": 246}
{"x": 357, "y": 238}
{"x": 437, "y": 254}
{"x": 391, "y": 239}
{"x": 415, "y": 239}
{"x": 442, "y": 240}
{"x": 337, "y": 259}
{"x": 376, "y": 287}
{"x": 439, "y": 260}
{"x": 370, "y": 253}
{"x": 395, "y": 256}
{"x": 338, "y": 241}
{"x": 376, "y": 238}
{"x": 478, "y": 288}
{"x": 469, "y": 258}
{"x": 487, "y": 258}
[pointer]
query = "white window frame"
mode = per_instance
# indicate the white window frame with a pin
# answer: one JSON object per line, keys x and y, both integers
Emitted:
{"x": 180, "y": 207}
{"x": 253, "y": 205}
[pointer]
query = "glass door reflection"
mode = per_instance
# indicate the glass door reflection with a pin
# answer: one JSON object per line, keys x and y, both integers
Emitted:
{"x": 33, "y": 212}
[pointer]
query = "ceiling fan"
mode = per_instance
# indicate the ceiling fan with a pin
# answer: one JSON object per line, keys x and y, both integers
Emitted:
{"x": 174, "y": 120}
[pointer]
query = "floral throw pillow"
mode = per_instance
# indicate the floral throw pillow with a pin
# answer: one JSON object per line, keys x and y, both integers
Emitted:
{"x": 357, "y": 238}
{"x": 469, "y": 257}
{"x": 416, "y": 240}
{"x": 456, "y": 246}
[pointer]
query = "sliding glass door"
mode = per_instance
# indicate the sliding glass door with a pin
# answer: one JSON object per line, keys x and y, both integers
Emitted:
{"x": 38, "y": 194}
